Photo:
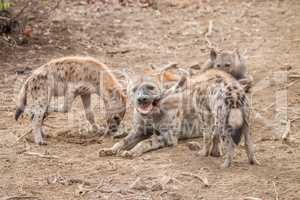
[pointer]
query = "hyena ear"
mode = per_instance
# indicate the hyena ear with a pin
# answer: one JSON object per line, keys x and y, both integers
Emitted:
{"x": 213, "y": 54}
{"x": 238, "y": 56}
{"x": 237, "y": 53}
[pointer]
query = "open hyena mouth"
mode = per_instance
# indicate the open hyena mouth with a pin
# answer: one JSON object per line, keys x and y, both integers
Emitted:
{"x": 145, "y": 107}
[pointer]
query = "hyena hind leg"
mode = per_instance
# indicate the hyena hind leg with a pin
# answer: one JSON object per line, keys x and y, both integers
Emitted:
{"x": 89, "y": 114}
{"x": 143, "y": 147}
{"x": 249, "y": 145}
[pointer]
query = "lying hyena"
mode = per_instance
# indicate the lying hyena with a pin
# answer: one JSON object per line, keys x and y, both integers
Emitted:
{"x": 71, "y": 77}
{"x": 213, "y": 105}
{"x": 232, "y": 63}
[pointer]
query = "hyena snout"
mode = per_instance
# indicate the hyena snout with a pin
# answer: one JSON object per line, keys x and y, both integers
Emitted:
{"x": 143, "y": 99}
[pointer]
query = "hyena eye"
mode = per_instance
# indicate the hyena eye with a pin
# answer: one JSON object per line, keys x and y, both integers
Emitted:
{"x": 227, "y": 65}
{"x": 134, "y": 89}
{"x": 150, "y": 87}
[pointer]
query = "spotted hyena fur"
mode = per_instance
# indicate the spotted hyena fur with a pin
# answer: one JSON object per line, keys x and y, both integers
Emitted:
{"x": 212, "y": 104}
{"x": 71, "y": 77}
{"x": 232, "y": 63}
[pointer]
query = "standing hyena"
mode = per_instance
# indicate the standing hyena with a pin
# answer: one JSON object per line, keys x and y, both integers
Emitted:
{"x": 232, "y": 63}
{"x": 212, "y": 105}
{"x": 71, "y": 77}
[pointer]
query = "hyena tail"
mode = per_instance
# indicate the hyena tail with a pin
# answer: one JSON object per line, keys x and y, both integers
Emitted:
{"x": 22, "y": 101}
{"x": 235, "y": 122}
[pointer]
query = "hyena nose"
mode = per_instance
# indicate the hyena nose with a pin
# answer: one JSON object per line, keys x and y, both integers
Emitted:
{"x": 142, "y": 99}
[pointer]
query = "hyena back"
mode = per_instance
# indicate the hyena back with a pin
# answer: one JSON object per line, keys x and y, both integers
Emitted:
{"x": 71, "y": 77}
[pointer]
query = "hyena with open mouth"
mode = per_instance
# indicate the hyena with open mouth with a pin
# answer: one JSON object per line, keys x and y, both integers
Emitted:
{"x": 71, "y": 77}
{"x": 212, "y": 104}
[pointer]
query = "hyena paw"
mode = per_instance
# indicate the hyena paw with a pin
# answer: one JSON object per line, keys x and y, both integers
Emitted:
{"x": 97, "y": 129}
{"x": 215, "y": 152}
{"x": 106, "y": 152}
{"x": 226, "y": 164}
{"x": 127, "y": 154}
{"x": 118, "y": 135}
{"x": 203, "y": 152}
{"x": 40, "y": 141}
{"x": 254, "y": 161}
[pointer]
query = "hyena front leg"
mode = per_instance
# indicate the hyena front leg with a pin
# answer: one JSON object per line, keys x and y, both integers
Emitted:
{"x": 155, "y": 142}
{"x": 229, "y": 146}
{"x": 216, "y": 150}
{"x": 207, "y": 142}
{"x": 39, "y": 112}
{"x": 89, "y": 114}
{"x": 249, "y": 145}
{"x": 128, "y": 142}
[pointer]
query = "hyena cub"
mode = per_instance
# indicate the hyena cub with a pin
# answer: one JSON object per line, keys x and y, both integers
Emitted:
{"x": 232, "y": 63}
{"x": 71, "y": 77}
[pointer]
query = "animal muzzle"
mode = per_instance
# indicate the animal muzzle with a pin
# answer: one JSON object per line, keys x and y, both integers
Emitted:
{"x": 144, "y": 104}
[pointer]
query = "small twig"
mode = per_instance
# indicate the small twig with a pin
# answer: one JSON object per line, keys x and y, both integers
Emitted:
{"x": 252, "y": 198}
{"x": 19, "y": 197}
{"x": 202, "y": 179}
{"x": 268, "y": 107}
{"x": 56, "y": 6}
{"x": 50, "y": 126}
{"x": 118, "y": 51}
{"x": 40, "y": 155}
{"x": 295, "y": 119}
{"x": 276, "y": 192}
{"x": 4, "y": 18}
{"x": 21, "y": 11}
{"x": 286, "y": 133}
{"x": 22, "y": 136}
{"x": 294, "y": 76}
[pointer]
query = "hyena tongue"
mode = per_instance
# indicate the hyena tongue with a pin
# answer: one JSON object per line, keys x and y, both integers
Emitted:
{"x": 145, "y": 109}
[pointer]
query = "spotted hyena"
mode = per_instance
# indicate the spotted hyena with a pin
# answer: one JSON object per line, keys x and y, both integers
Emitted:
{"x": 71, "y": 77}
{"x": 212, "y": 104}
{"x": 232, "y": 63}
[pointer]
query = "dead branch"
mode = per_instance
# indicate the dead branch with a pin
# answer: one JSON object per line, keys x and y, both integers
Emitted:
{"x": 22, "y": 136}
{"x": 19, "y": 197}
{"x": 21, "y": 11}
{"x": 252, "y": 198}
{"x": 276, "y": 192}
{"x": 202, "y": 179}
{"x": 50, "y": 126}
{"x": 40, "y": 155}
{"x": 286, "y": 133}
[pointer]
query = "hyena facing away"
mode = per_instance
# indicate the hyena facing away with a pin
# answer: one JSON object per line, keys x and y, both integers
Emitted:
{"x": 232, "y": 63}
{"x": 71, "y": 77}
{"x": 212, "y": 105}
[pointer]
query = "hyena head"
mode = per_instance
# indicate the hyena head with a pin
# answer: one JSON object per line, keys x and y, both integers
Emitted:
{"x": 116, "y": 111}
{"x": 149, "y": 90}
{"x": 230, "y": 62}
{"x": 146, "y": 94}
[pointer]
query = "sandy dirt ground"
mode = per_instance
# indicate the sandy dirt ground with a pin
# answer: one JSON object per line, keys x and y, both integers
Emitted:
{"x": 132, "y": 37}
